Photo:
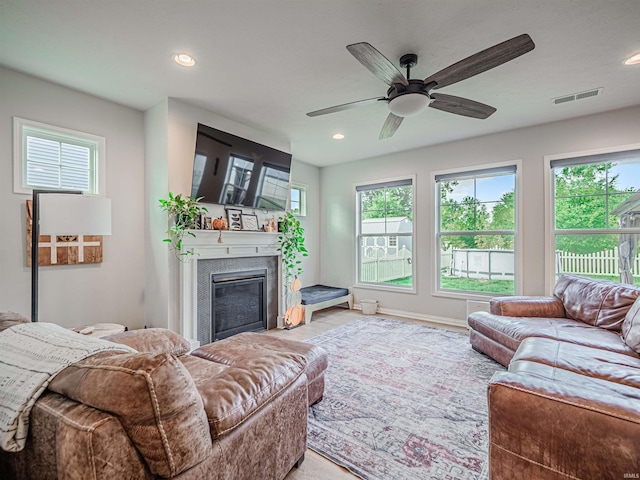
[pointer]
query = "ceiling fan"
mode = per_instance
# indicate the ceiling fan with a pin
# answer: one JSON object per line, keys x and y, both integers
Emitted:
{"x": 407, "y": 96}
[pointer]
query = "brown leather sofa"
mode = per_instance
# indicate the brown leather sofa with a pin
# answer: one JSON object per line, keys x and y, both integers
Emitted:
{"x": 165, "y": 413}
{"x": 569, "y": 405}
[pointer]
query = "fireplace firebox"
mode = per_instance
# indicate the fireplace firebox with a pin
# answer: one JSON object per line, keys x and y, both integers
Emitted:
{"x": 238, "y": 303}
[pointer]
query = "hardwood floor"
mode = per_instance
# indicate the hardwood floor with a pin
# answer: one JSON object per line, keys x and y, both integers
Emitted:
{"x": 315, "y": 466}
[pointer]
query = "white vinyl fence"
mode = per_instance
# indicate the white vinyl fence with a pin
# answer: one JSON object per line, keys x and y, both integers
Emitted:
{"x": 499, "y": 264}
{"x": 597, "y": 263}
{"x": 479, "y": 263}
{"x": 383, "y": 268}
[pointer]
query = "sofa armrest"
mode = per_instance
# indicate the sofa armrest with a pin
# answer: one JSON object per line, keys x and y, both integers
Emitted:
{"x": 71, "y": 441}
{"x": 548, "y": 430}
{"x": 547, "y": 307}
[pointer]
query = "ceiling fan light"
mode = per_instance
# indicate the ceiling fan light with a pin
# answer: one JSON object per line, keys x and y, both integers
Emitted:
{"x": 633, "y": 59}
{"x": 408, "y": 104}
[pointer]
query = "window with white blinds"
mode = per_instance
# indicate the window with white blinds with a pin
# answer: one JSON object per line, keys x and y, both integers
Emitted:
{"x": 52, "y": 158}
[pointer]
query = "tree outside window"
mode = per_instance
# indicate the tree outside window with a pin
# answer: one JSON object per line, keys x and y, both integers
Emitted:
{"x": 476, "y": 231}
{"x": 385, "y": 236}
{"x": 596, "y": 209}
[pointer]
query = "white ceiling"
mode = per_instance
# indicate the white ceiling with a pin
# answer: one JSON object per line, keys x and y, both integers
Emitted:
{"x": 265, "y": 63}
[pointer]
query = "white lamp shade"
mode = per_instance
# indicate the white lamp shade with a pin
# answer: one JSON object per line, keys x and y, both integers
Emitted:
{"x": 408, "y": 104}
{"x": 65, "y": 214}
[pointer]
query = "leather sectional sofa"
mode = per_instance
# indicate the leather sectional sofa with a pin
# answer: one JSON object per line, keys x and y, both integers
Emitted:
{"x": 569, "y": 405}
{"x": 232, "y": 411}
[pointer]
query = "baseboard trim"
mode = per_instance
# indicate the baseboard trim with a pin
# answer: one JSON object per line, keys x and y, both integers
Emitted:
{"x": 454, "y": 322}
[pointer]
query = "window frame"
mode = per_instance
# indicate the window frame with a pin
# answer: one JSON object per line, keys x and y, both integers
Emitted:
{"x": 23, "y": 127}
{"x": 413, "y": 235}
{"x": 302, "y": 188}
{"x": 436, "y": 290}
{"x": 549, "y": 200}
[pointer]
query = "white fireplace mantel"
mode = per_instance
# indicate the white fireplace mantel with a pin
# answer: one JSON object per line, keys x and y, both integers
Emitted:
{"x": 205, "y": 246}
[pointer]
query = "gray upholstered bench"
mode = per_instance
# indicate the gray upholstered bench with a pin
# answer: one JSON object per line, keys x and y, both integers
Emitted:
{"x": 319, "y": 297}
{"x": 242, "y": 345}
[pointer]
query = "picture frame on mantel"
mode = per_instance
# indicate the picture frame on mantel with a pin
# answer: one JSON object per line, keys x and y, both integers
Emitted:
{"x": 249, "y": 222}
{"x": 234, "y": 218}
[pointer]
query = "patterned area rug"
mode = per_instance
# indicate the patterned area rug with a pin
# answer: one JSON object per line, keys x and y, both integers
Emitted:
{"x": 402, "y": 401}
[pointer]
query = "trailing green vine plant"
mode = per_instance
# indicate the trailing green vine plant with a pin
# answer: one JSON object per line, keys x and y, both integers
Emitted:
{"x": 292, "y": 247}
{"x": 184, "y": 213}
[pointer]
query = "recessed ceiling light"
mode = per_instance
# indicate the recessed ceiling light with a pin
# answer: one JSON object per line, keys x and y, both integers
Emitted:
{"x": 338, "y": 136}
{"x": 184, "y": 59}
{"x": 633, "y": 59}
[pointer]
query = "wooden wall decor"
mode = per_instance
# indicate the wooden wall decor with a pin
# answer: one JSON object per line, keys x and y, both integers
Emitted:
{"x": 64, "y": 249}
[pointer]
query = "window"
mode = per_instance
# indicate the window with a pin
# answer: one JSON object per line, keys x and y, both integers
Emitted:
{"x": 237, "y": 182}
{"x": 299, "y": 200}
{"x": 272, "y": 188}
{"x": 476, "y": 231}
{"x": 50, "y": 157}
{"x": 596, "y": 216}
{"x": 385, "y": 216}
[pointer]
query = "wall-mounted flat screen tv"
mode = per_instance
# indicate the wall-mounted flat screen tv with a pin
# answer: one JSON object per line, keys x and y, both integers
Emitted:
{"x": 231, "y": 170}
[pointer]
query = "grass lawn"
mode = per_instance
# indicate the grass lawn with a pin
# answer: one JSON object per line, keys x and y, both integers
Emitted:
{"x": 500, "y": 287}
{"x": 467, "y": 284}
{"x": 477, "y": 285}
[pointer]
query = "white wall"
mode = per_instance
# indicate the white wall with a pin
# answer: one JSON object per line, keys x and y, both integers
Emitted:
{"x": 82, "y": 294}
{"x": 337, "y": 235}
{"x": 309, "y": 176}
{"x": 156, "y": 181}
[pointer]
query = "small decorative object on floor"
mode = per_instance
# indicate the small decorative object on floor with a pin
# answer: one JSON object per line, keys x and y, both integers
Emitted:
{"x": 295, "y": 311}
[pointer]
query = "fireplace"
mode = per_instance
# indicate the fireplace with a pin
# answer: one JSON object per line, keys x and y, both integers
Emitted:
{"x": 238, "y": 303}
{"x": 215, "y": 279}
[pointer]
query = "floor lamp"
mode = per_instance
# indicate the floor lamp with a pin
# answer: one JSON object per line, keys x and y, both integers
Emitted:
{"x": 64, "y": 212}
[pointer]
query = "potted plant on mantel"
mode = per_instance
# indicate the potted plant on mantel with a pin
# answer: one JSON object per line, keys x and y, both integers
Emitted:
{"x": 291, "y": 239}
{"x": 184, "y": 214}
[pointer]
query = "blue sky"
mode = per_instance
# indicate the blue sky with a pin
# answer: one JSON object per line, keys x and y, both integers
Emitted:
{"x": 489, "y": 189}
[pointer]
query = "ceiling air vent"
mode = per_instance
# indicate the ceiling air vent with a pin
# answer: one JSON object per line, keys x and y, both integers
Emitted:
{"x": 577, "y": 96}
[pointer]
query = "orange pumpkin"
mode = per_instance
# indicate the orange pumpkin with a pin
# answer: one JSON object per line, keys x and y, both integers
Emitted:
{"x": 293, "y": 316}
{"x": 219, "y": 223}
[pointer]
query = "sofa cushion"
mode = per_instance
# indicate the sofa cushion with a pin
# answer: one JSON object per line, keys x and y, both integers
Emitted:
{"x": 631, "y": 327}
{"x": 599, "y": 303}
{"x": 153, "y": 340}
{"x": 155, "y": 399}
{"x": 232, "y": 394}
{"x": 234, "y": 350}
{"x": 511, "y": 331}
{"x": 587, "y": 361}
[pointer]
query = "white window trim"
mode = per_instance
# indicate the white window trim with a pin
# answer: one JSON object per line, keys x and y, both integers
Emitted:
{"x": 518, "y": 260}
{"x": 549, "y": 214}
{"x": 18, "y": 152}
{"x": 303, "y": 198}
{"x": 414, "y": 255}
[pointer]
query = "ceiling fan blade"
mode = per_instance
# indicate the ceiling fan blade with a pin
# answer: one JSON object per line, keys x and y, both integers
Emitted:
{"x": 483, "y": 61}
{"x": 461, "y": 106}
{"x": 347, "y": 106}
{"x": 377, "y": 63}
{"x": 390, "y": 126}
